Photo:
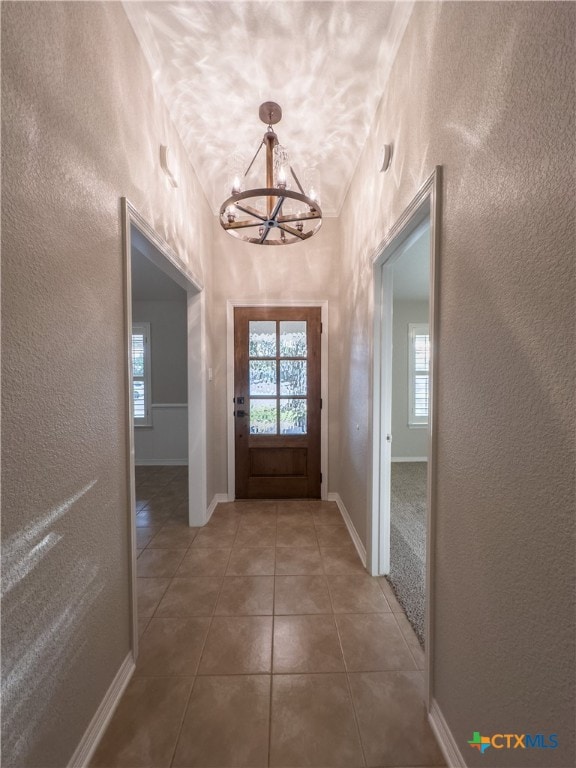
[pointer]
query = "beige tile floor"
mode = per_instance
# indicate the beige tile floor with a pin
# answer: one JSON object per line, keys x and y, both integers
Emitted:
{"x": 264, "y": 642}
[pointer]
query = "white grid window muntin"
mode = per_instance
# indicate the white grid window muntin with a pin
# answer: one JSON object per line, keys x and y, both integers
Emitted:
{"x": 141, "y": 375}
{"x": 418, "y": 374}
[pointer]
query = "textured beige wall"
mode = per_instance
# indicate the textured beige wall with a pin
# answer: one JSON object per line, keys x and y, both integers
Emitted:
{"x": 81, "y": 127}
{"x": 482, "y": 89}
{"x": 243, "y": 272}
{"x": 487, "y": 91}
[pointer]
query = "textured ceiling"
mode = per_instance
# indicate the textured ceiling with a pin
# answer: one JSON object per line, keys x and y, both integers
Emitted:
{"x": 325, "y": 63}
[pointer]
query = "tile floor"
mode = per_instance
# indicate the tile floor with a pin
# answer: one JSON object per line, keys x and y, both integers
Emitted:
{"x": 263, "y": 643}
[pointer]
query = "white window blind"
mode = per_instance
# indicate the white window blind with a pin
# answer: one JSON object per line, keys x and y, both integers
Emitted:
{"x": 418, "y": 373}
{"x": 141, "y": 387}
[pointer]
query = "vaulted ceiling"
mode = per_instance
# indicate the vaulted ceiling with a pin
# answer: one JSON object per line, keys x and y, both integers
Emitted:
{"x": 325, "y": 63}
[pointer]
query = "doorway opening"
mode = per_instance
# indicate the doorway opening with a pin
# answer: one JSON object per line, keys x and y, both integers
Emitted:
{"x": 165, "y": 383}
{"x": 410, "y": 365}
{"x": 159, "y": 365}
{"x": 405, "y": 370}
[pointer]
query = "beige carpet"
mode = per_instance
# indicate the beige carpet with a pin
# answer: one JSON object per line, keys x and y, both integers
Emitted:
{"x": 408, "y": 539}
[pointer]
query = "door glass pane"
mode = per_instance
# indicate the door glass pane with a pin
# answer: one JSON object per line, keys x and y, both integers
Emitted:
{"x": 262, "y": 377}
{"x": 263, "y": 417}
{"x": 262, "y": 338}
{"x": 138, "y": 400}
{"x": 293, "y": 338}
{"x": 293, "y": 377}
{"x": 293, "y": 417}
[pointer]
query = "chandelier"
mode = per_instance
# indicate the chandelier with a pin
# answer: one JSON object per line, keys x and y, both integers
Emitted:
{"x": 274, "y": 214}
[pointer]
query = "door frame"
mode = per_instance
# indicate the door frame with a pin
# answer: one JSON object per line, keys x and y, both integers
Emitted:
{"x": 425, "y": 205}
{"x": 230, "y": 306}
{"x": 166, "y": 259}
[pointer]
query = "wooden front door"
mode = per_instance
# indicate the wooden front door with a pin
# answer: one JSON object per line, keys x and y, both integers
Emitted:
{"x": 277, "y": 402}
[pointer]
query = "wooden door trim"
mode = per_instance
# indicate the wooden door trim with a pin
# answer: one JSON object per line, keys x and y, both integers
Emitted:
{"x": 231, "y": 304}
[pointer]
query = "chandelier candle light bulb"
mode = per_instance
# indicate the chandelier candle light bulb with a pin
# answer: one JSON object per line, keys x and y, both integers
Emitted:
{"x": 271, "y": 214}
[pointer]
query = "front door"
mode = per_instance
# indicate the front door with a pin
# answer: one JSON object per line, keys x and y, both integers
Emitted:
{"x": 277, "y": 402}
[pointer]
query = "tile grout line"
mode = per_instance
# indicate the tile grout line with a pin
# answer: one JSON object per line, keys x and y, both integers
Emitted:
{"x": 402, "y": 613}
{"x": 184, "y": 711}
{"x": 185, "y": 708}
{"x": 407, "y": 644}
{"x": 196, "y": 676}
{"x": 356, "y": 723}
{"x": 170, "y": 578}
{"x": 272, "y": 643}
{"x": 349, "y": 686}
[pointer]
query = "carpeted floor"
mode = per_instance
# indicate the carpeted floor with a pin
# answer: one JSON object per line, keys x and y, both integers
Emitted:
{"x": 408, "y": 539}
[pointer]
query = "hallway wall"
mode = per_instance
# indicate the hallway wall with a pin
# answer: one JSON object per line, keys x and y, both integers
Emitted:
{"x": 245, "y": 272}
{"x": 485, "y": 90}
{"x": 82, "y": 126}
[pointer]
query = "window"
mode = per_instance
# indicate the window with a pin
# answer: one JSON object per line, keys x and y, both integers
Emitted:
{"x": 141, "y": 388}
{"x": 418, "y": 373}
{"x": 278, "y": 377}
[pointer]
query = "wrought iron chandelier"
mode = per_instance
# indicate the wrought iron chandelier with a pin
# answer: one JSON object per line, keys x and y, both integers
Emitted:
{"x": 273, "y": 214}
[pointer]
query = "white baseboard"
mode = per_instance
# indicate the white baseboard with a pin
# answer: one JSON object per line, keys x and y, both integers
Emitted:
{"x": 219, "y": 498}
{"x": 360, "y": 548}
{"x": 409, "y": 458}
{"x": 161, "y": 463}
{"x": 446, "y": 740}
{"x": 99, "y": 722}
